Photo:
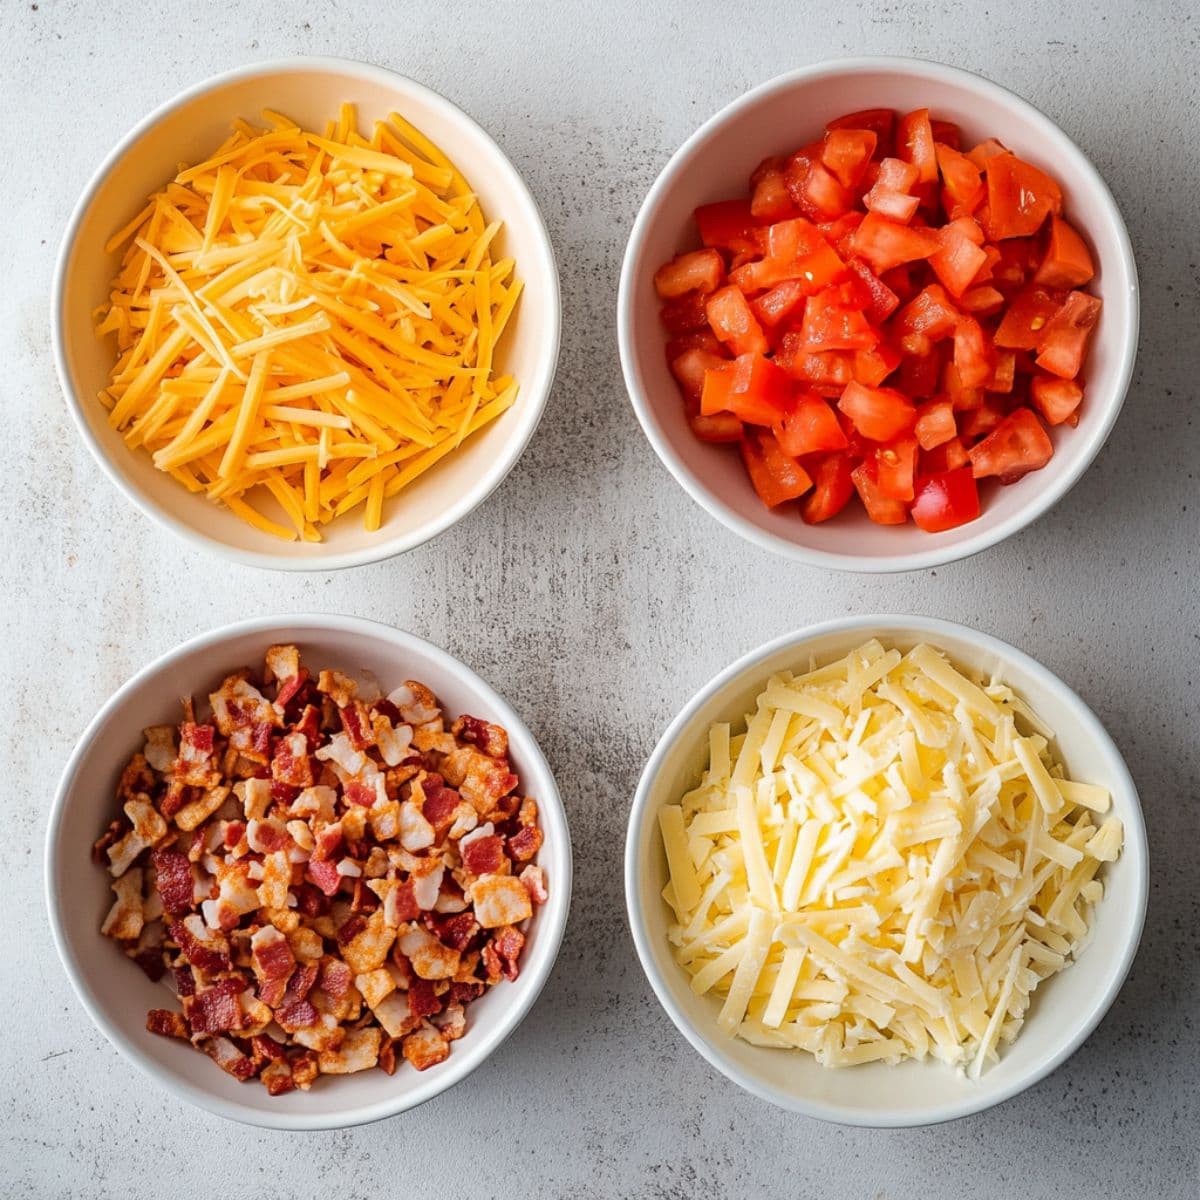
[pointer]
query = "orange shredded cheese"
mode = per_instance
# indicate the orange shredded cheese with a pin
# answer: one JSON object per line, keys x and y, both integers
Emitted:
{"x": 306, "y": 324}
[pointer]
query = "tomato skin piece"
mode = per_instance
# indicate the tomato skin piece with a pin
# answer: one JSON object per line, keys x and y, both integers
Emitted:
{"x": 848, "y": 152}
{"x": 751, "y": 387}
{"x": 895, "y": 468}
{"x": 881, "y": 414}
{"x": 1018, "y": 445}
{"x": 914, "y": 144}
{"x": 718, "y": 428}
{"x": 1056, "y": 399}
{"x": 689, "y": 369}
{"x": 1027, "y": 317}
{"x": 832, "y": 487}
{"x": 777, "y": 477}
{"x": 1063, "y": 342}
{"x": 732, "y": 321}
{"x": 1020, "y": 197}
{"x": 883, "y": 510}
{"x": 698, "y": 271}
{"x": 727, "y": 225}
{"x": 810, "y": 426}
{"x": 945, "y": 500}
{"x": 935, "y": 424}
{"x": 884, "y": 244}
{"x": 1067, "y": 262}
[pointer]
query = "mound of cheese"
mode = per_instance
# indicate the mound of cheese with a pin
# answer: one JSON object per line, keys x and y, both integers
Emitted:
{"x": 883, "y": 866}
{"x": 308, "y": 322}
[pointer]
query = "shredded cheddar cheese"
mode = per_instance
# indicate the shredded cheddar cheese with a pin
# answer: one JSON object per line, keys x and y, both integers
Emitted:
{"x": 306, "y": 324}
{"x": 884, "y": 865}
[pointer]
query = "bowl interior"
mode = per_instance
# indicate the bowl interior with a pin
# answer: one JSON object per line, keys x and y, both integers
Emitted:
{"x": 1064, "y": 1009}
{"x": 310, "y": 93}
{"x": 118, "y": 994}
{"x": 716, "y": 164}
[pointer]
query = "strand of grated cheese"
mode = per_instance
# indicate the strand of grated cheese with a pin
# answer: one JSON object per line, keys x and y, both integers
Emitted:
{"x": 292, "y": 285}
{"x": 885, "y": 864}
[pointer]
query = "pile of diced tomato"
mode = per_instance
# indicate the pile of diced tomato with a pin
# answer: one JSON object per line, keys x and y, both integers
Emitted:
{"x": 885, "y": 314}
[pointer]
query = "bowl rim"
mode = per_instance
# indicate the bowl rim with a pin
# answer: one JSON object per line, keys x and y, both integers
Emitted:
{"x": 1135, "y": 850}
{"x": 937, "y": 554}
{"x": 382, "y": 548}
{"x": 552, "y": 919}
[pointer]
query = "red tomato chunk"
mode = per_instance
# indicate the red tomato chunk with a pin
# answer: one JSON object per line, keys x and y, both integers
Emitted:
{"x": 889, "y": 312}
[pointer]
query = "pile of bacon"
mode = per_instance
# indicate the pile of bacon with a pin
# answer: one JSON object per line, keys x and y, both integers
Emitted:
{"x": 328, "y": 877}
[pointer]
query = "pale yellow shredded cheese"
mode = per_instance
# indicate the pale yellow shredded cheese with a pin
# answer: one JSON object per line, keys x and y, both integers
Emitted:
{"x": 306, "y": 324}
{"x": 885, "y": 864}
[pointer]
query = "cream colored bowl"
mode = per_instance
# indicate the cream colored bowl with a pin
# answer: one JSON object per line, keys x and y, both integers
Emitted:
{"x": 117, "y": 994}
{"x": 1065, "y": 1009}
{"x": 188, "y": 128}
{"x": 714, "y": 164}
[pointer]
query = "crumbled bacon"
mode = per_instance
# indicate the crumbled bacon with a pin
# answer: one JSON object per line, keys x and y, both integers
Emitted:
{"x": 335, "y": 872}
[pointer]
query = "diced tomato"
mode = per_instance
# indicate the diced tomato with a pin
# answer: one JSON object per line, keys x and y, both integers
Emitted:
{"x": 1019, "y": 197}
{"x": 935, "y": 424}
{"x": 689, "y": 368}
{"x": 732, "y": 321}
{"x": 947, "y": 133}
{"x": 949, "y": 456}
{"x": 873, "y": 366}
{"x": 809, "y": 426}
{"x": 1004, "y": 373}
{"x": 959, "y": 257}
{"x": 839, "y": 231}
{"x": 1017, "y": 446}
{"x": 945, "y": 500}
{"x": 895, "y": 468}
{"x": 914, "y": 144}
{"x": 699, "y": 271}
{"x": 751, "y": 387}
{"x": 881, "y": 122}
{"x": 881, "y": 301}
{"x": 880, "y": 414}
{"x": 986, "y": 151}
{"x": 792, "y": 250}
{"x": 826, "y": 373}
{"x": 777, "y": 477}
{"x": 960, "y": 177}
{"x": 1063, "y": 341}
{"x": 832, "y": 488}
{"x": 890, "y": 195}
{"x": 972, "y": 353}
{"x": 1056, "y": 399}
{"x": 783, "y": 302}
{"x": 1067, "y": 262}
{"x": 727, "y": 225}
{"x": 962, "y": 398}
{"x": 834, "y": 321}
{"x": 885, "y": 244}
{"x": 883, "y": 510}
{"x": 919, "y": 374}
{"x": 926, "y": 318}
{"x": 770, "y": 199}
{"x": 697, "y": 339}
{"x": 1026, "y": 318}
{"x": 686, "y": 314}
{"x": 983, "y": 301}
{"x": 847, "y": 152}
{"x": 716, "y": 427}
{"x": 986, "y": 416}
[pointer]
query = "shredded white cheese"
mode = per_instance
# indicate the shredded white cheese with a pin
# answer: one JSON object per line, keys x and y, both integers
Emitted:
{"x": 885, "y": 864}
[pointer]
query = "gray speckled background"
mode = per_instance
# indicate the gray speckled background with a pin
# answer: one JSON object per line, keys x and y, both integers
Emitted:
{"x": 584, "y": 591}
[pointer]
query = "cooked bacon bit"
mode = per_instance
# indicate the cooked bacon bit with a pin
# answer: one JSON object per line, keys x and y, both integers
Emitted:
{"x": 509, "y": 943}
{"x": 534, "y": 879}
{"x": 524, "y": 845}
{"x": 100, "y": 847}
{"x": 167, "y": 1023}
{"x": 252, "y": 824}
{"x": 173, "y": 879}
{"x": 216, "y": 1009}
{"x": 483, "y": 855}
{"x": 489, "y": 738}
{"x": 500, "y": 900}
{"x": 202, "y": 947}
{"x": 228, "y": 1057}
{"x": 425, "y": 1047}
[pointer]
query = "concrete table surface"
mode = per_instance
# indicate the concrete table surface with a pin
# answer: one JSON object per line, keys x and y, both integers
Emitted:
{"x": 593, "y": 593}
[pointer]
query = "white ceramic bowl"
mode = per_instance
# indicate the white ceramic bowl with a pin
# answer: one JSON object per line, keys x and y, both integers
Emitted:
{"x": 714, "y": 164}
{"x": 117, "y": 994}
{"x": 186, "y": 129}
{"x": 1065, "y": 1009}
